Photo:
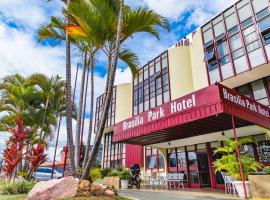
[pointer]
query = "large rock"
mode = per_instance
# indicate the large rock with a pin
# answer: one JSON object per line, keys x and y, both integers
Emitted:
{"x": 97, "y": 189}
{"x": 84, "y": 185}
{"x": 109, "y": 193}
{"x": 55, "y": 189}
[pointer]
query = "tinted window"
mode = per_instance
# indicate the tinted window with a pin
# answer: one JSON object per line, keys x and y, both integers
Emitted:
{"x": 264, "y": 24}
{"x": 44, "y": 170}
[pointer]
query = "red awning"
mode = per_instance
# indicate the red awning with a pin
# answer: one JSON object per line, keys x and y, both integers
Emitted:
{"x": 205, "y": 111}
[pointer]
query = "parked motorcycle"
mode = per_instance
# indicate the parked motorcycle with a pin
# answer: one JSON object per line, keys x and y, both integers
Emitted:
{"x": 135, "y": 176}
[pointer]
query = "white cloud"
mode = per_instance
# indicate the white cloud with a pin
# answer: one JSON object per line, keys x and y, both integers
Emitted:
{"x": 30, "y": 13}
{"x": 19, "y": 52}
{"x": 199, "y": 11}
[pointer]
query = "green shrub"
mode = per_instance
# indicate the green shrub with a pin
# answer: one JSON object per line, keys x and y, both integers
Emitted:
{"x": 105, "y": 172}
{"x": 8, "y": 188}
{"x": 24, "y": 187}
{"x": 20, "y": 187}
{"x": 125, "y": 175}
{"x": 114, "y": 173}
{"x": 266, "y": 170}
{"x": 120, "y": 169}
{"x": 95, "y": 174}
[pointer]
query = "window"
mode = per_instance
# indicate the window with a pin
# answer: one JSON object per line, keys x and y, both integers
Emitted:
{"x": 172, "y": 158}
{"x": 149, "y": 93}
{"x": 245, "y": 90}
{"x": 181, "y": 159}
{"x": 258, "y": 88}
{"x": 222, "y": 49}
{"x": 231, "y": 21}
{"x": 235, "y": 42}
{"x": 111, "y": 114}
{"x": 244, "y": 12}
{"x": 114, "y": 153}
{"x": 246, "y": 23}
{"x": 208, "y": 36}
{"x": 238, "y": 53}
{"x": 192, "y": 159}
{"x": 262, "y": 14}
{"x": 266, "y": 38}
{"x": 224, "y": 60}
{"x": 219, "y": 28}
{"x": 259, "y": 5}
{"x": 154, "y": 159}
{"x": 209, "y": 55}
{"x": 220, "y": 38}
{"x": 233, "y": 30}
{"x": 264, "y": 24}
{"x": 253, "y": 46}
{"x": 212, "y": 66}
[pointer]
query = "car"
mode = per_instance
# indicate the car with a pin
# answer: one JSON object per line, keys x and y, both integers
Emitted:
{"x": 45, "y": 173}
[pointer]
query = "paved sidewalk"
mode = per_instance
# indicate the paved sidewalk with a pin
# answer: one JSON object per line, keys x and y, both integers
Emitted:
{"x": 173, "y": 195}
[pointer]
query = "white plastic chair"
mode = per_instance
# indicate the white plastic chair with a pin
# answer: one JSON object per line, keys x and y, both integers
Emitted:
{"x": 229, "y": 183}
{"x": 176, "y": 179}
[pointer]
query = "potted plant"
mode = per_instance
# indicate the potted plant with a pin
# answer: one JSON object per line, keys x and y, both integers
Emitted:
{"x": 230, "y": 164}
{"x": 125, "y": 177}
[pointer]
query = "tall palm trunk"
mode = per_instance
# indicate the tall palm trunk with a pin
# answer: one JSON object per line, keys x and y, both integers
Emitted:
{"x": 88, "y": 145}
{"x": 79, "y": 116}
{"x": 84, "y": 108}
{"x": 94, "y": 151}
{"x": 69, "y": 106}
{"x": 43, "y": 120}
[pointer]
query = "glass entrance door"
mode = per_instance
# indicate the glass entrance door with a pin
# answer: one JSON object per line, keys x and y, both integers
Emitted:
{"x": 203, "y": 169}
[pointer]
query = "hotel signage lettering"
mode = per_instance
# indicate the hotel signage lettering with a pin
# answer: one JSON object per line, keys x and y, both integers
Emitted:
{"x": 245, "y": 102}
{"x": 176, "y": 106}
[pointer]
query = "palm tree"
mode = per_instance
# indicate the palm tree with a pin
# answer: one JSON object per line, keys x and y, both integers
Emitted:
{"x": 55, "y": 31}
{"x": 108, "y": 94}
{"x": 26, "y": 98}
{"x": 129, "y": 23}
{"x": 51, "y": 91}
{"x": 79, "y": 115}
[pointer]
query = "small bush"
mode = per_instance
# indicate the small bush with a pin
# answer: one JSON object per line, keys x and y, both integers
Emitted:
{"x": 125, "y": 175}
{"x": 120, "y": 169}
{"x": 24, "y": 187}
{"x": 95, "y": 174}
{"x": 105, "y": 172}
{"x": 266, "y": 170}
{"x": 20, "y": 187}
{"x": 114, "y": 173}
{"x": 8, "y": 189}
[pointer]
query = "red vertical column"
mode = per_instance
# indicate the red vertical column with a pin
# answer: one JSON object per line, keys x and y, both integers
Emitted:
{"x": 239, "y": 158}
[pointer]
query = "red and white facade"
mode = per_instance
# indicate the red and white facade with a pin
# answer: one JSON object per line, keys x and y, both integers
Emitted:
{"x": 174, "y": 115}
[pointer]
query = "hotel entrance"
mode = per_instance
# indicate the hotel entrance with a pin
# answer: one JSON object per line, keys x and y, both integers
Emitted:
{"x": 194, "y": 162}
{"x": 203, "y": 169}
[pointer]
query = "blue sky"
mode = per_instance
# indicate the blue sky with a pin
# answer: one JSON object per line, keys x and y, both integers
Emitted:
{"x": 20, "y": 52}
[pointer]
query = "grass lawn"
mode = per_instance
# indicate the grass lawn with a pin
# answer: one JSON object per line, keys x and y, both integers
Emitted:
{"x": 23, "y": 196}
{"x": 13, "y": 197}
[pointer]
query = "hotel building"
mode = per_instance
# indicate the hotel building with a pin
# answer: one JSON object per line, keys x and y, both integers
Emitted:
{"x": 174, "y": 115}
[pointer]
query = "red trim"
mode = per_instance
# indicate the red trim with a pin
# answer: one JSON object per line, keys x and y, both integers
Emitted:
{"x": 239, "y": 158}
{"x": 209, "y": 106}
